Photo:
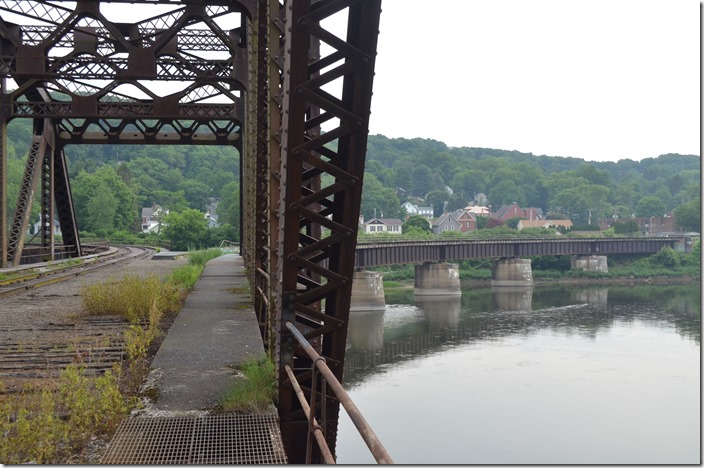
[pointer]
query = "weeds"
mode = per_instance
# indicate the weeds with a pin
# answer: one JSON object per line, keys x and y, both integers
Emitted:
{"x": 132, "y": 297}
{"x": 256, "y": 391}
{"x": 33, "y": 431}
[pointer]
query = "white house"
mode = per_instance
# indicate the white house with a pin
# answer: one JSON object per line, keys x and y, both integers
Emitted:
{"x": 36, "y": 226}
{"x": 381, "y": 225}
{"x": 152, "y": 218}
{"x": 415, "y": 210}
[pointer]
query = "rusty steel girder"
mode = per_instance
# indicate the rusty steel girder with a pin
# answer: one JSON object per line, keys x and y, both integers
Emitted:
{"x": 314, "y": 271}
{"x": 91, "y": 80}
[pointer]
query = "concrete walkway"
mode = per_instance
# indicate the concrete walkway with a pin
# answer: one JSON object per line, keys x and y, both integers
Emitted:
{"x": 215, "y": 332}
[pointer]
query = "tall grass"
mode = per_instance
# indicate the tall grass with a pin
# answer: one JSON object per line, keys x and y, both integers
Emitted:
{"x": 134, "y": 297}
{"x": 51, "y": 424}
{"x": 256, "y": 391}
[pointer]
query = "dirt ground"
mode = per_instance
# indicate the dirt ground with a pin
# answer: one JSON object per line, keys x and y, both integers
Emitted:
{"x": 46, "y": 314}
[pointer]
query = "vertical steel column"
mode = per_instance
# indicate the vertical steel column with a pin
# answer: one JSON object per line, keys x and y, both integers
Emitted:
{"x": 260, "y": 90}
{"x": 316, "y": 270}
{"x": 64, "y": 203}
{"x": 46, "y": 223}
{"x": 4, "y": 114}
{"x": 42, "y": 143}
{"x": 276, "y": 26}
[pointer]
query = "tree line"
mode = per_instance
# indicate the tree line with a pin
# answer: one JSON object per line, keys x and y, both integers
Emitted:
{"x": 400, "y": 169}
{"x": 111, "y": 183}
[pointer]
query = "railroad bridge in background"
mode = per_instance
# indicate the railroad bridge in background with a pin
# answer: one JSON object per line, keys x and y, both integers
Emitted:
{"x": 372, "y": 254}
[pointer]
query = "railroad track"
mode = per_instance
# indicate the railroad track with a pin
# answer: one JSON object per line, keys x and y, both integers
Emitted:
{"x": 94, "y": 342}
{"x": 31, "y": 278}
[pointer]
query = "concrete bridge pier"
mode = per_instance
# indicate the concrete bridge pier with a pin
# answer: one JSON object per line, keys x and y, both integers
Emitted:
{"x": 511, "y": 271}
{"x": 367, "y": 291}
{"x": 437, "y": 279}
{"x": 590, "y": 263}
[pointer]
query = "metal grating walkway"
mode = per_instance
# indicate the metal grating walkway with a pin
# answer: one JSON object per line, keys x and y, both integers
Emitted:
{"x": 202, "y": 440}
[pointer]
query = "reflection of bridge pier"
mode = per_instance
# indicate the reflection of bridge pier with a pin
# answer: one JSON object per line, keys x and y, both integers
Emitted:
{"x": 440, "y": 311}
{"x": 366, "y": 330}
{"x": 596, "y": 296}
{"x": 513, "y": 298}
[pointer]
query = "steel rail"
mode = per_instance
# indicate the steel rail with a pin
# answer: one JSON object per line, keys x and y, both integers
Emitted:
{"x": 35, "y": 280}
{"x": 375, "y": 446}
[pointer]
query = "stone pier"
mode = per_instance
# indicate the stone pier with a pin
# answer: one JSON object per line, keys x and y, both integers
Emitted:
{"x": 367, "y": 291}
{"x": 590, "y": 263}
{"x": 437, "y": 279}
{"x": 511, "y": 272}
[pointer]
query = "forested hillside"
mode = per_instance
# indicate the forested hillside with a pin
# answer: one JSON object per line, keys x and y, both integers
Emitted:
{"x": 400, "y": 168}
{"x": 111, "y": 184}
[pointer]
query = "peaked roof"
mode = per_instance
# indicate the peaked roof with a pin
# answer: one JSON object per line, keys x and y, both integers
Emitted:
{"x": 385, "y": 221}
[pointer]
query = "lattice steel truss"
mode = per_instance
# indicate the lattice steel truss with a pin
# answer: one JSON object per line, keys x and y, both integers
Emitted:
{"x": 272, "y": 80}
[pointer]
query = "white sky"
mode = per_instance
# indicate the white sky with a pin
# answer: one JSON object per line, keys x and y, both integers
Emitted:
{"x": 600, "y": 80}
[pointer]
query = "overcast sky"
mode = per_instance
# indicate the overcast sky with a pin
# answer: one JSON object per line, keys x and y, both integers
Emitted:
{"x": 600, "y": 80}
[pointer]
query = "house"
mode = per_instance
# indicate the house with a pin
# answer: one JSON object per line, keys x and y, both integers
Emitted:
{"x": 381, "y": 225}
{"x": 467, "y": 220}
{"x": 507, "y": 212}
{"x": 477, "y": 210}
{"x": 544, "y": 223}
{"x": 211, "y": 215}
{"x": 152, "y": 218}
{"x": 37, "y": 226}
{"x": 446, "y": 222}
{"x": 415, "y": 210}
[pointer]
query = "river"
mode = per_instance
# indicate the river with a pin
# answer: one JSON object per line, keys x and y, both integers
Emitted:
{"x": 547, "y": 375}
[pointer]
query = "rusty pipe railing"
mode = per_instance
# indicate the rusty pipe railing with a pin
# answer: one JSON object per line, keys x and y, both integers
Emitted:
{"x": 375, "y": 446}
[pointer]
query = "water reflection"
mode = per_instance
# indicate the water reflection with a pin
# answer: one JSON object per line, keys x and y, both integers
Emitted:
{"x": 566, "y": 374}
{"x": 517, "y": 299}
{"x": 425, "y": 325}
{"x": 440, "y": 311}
{"x": 366, "y": 330}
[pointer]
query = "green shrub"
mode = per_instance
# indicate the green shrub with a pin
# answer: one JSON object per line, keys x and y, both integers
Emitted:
{"x": 134, "y": 297}
{"x": 256, "y": 391}
{"x": 201, "y": 257}
{"x": 666, "y": 257}
{"x": 34, "y": 432}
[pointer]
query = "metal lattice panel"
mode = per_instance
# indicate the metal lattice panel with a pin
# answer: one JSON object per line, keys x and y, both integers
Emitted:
{"x": 201, "y": 440}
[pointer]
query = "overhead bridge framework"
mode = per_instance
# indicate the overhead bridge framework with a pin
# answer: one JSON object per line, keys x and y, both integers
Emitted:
{"x": 248, "y": 74}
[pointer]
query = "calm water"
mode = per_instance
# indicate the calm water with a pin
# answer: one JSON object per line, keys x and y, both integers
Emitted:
{"x": 555, "y": 375}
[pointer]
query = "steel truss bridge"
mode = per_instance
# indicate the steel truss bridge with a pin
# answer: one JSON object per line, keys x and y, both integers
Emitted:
{"x": 261, "y": 76}
{"x": 372, "y": 254}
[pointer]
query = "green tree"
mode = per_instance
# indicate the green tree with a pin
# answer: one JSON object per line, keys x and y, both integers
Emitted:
{"x": 90, "y": 191}
{"x": 379, "y": 201}
{"x": 102, "y": 208}
{"x": 506, "y": 192}
{"x": 437, "y": 199}
{"x": 416, "y": 222}
{"x": 186, "y": 230}
{"x": 229, "y": 207}
{"x": 650, "y": 205}
{"x": 689, "y": 215}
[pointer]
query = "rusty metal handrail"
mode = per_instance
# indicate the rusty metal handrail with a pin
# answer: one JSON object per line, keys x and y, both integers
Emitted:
{"x": 375, "y": 446}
